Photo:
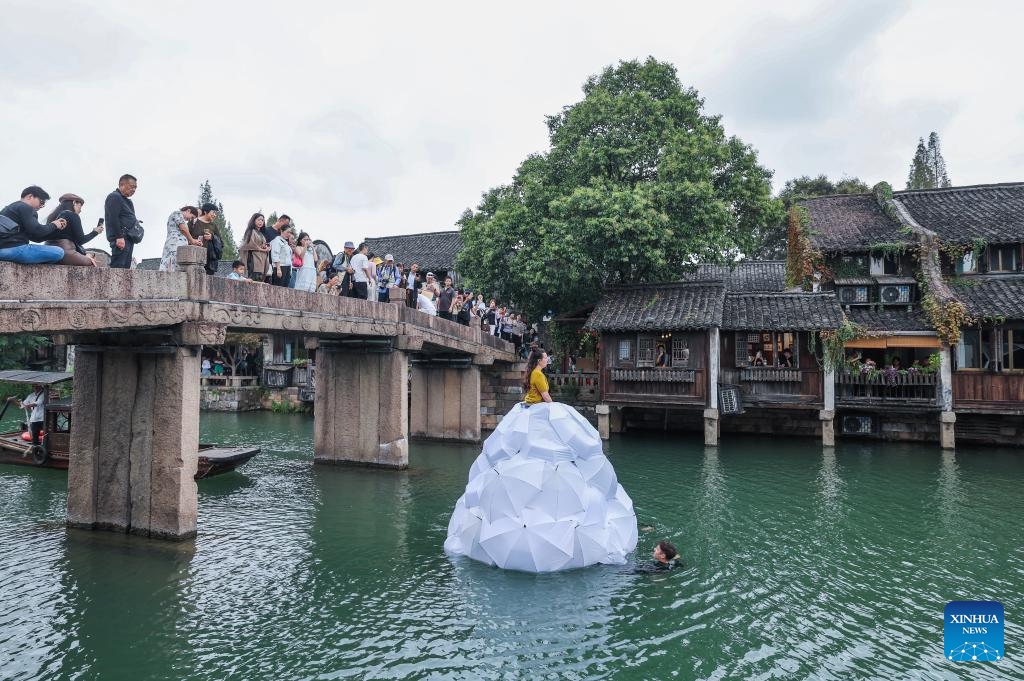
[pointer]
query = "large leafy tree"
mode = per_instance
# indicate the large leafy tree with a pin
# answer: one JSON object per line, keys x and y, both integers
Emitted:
{"x": 638, "y": 184}
{"x": 227, "y": 236}
{"x": 770, "y": 242}
{"x": 928, "y": 167}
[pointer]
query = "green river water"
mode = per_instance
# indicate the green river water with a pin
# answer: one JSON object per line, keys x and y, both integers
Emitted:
{"x": 799, "y": 564}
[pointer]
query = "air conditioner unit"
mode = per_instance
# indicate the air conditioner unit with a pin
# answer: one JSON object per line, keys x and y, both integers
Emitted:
{"x": 853, "y": 294}
{"x": 895, "y": 294}
{"x": 858, "y": 425}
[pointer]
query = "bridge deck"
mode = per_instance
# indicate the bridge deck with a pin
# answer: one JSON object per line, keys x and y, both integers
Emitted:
{"x": 68, "y": 300}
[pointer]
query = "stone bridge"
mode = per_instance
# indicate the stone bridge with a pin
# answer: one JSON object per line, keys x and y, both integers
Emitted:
{"x": 139, "y": 336}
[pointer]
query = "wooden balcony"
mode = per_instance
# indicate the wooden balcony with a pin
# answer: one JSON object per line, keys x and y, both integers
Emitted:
{"x": 583, "y": 386}
{"x": 913, "y": 389}
{"x": 653, "y": 375}
{"x": 769, "y": 375}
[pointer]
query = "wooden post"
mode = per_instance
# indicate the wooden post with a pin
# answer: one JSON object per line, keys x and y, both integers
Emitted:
{"x": 712, "y": 423}
{"x": 828, "y": 414}
{"x": 603, "y": 420}
{"x": 947, "y": 417}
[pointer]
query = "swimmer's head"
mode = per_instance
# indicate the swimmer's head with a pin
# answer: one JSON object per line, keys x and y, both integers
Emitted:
{"x": 664, "y": 552}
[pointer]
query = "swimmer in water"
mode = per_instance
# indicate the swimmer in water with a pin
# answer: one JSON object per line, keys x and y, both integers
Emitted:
{"x": 665, "y": 556}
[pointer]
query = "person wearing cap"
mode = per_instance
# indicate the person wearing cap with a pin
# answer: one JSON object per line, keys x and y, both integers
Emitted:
{"x": 72, "y": 238}
{"x": 19, "y": 224}
{"x": 361, "y": 272}
{"x": 119, "y": 213}
{"x": 178, "y": 235}
{"x": 343, "y": 266}
{"x": 432, "y": 285}
{"x": 387, "y": 276}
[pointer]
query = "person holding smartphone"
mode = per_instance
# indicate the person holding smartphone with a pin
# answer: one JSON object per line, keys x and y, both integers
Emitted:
{"x": 73, "y": 237}
{"x": 19, "y": 224}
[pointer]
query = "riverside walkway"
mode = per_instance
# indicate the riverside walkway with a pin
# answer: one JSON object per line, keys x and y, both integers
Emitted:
{"x": 139, "y": 335}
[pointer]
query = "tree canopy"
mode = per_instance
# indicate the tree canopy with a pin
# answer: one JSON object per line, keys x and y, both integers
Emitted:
{"x": 227, "y": 236}
{"x": 638, "y": 183}
{"x": 928, "y": 168}
{"x": 771, "y": 240}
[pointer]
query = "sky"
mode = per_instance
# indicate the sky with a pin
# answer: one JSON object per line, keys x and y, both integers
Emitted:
{"x": 373, "y": 119}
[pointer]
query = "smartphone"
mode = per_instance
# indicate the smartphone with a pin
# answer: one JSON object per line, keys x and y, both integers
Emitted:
{"x": 100, "y": 222}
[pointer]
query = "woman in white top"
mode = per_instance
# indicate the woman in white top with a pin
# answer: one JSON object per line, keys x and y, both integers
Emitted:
{"x": 306, "y": 278}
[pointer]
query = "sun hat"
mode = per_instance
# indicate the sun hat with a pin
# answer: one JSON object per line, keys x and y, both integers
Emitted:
{"x": 349, "y": 244}
{"x": 389, "y": 257}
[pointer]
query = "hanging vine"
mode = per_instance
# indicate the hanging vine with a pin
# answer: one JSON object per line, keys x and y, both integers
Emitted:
{"x": 803, "y": 261}
{"x": 833, "y": 343}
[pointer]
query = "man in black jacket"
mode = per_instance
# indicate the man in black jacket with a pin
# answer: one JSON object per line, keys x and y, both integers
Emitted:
{"x": 19, "y": 224}
{"x": 120, "y": 218}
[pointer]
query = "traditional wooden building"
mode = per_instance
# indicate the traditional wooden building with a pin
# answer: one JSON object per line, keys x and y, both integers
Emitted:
{"x": 666, "y": 349}
{"x": 881, "y": 253}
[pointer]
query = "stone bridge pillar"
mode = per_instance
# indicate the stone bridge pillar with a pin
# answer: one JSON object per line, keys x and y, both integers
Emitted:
{"x": 445, "y": 401}
{"x": 361, "y": 413}
{"x": 134, "y": 440}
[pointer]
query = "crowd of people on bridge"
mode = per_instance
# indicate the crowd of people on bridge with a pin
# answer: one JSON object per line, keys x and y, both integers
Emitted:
{"x": 271, "y": 251}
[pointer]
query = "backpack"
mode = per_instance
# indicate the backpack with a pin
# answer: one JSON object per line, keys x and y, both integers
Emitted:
{"x": 8, "y": 226}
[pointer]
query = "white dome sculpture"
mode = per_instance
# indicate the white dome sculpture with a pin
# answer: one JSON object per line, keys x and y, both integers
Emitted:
{"x": 542, "y": 496}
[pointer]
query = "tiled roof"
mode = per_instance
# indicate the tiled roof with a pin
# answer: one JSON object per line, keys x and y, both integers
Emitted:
{"x": 781, "y": 311}
{"x": 659, "y": 307}
{"x": 993, "y": 296}
{"x": 993, "y": 213}
{"x": 744, "y": 276}
{"x": 850, "y": 222}
{"x": 431, "y": 251}
{"x": 888, "y": 319}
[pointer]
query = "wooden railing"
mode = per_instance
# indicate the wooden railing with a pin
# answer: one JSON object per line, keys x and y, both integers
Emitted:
{"x": 770, "y": 375}
{"x": 654, "y": 375}
{"x": 857, "y": 386}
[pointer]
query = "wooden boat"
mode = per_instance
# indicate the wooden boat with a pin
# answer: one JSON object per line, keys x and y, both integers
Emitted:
{"x": 56, "y": 441}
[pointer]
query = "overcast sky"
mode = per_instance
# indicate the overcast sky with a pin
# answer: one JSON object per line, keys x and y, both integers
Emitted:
{"x": 368, "y": 119}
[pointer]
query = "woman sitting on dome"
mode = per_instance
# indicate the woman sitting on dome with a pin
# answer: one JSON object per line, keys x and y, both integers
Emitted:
{"x": 536, "y": 383}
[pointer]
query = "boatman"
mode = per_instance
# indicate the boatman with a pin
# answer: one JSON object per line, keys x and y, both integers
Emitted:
{"x": 36, "y": 401}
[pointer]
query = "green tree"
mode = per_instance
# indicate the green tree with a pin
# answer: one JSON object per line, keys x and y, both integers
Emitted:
{"x": 928, "y": 168}
{"x": 937, "y": 164}
{"x": 226, "y": 234}
{"x": 638, "y": 183}
{"x": 771, "y": 241}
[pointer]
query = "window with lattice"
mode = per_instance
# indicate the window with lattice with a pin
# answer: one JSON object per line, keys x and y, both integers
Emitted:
{"x": 680, "y": 352}
{"x": 645, "y": 351}
{"x": 625, "y": 350}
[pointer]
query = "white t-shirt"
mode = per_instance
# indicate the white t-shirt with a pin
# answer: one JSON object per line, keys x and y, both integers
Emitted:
{"x": 359, "y": 263}
{"x": 424, "y": 304}
{"x": 37, "y": 401}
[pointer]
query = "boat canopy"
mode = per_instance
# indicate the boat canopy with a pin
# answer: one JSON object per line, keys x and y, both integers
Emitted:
{"x": 31, "y": 377}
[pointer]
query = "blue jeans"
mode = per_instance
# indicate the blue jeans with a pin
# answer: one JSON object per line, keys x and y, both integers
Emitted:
{"x": 32, "y": 254}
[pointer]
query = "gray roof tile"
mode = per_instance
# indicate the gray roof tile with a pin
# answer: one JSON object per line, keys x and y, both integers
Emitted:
{"x": 659, "y": 307}
{"x": 431, "y": 250}
{"x": 888, "y": 319}
{"x": 999, "y": 295}
{"x": 781, "y": 311}
{"x": 744, "y": 276}
{"x": 993, "y": 213}
{"x": 850, "y": 222}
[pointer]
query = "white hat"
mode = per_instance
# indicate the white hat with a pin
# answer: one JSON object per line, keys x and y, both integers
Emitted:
{"x": 388, "y": 257}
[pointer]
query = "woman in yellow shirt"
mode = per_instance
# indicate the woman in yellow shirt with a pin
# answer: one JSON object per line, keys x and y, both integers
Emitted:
{"x": 536, "y": 383}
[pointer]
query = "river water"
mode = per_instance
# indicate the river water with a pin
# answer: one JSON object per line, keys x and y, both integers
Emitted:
{"x": 799, "y": 564}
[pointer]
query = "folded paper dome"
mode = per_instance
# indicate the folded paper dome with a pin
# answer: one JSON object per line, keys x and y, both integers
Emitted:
{"x": 542, "y": 496}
